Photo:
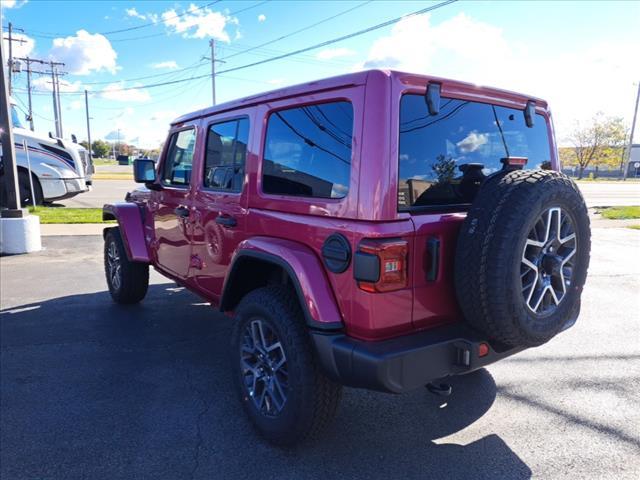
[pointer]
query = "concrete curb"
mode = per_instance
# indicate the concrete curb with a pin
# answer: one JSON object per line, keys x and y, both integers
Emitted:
{"x": 70, "y": 229}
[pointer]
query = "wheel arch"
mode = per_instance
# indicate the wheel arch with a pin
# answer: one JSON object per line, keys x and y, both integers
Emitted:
{"x": 131, "y": 225}
{"x": 259, "y": 262}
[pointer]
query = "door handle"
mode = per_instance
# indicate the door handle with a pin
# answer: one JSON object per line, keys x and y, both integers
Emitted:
{"x": 226, "y": 221}
{"x": 182, "y": 212}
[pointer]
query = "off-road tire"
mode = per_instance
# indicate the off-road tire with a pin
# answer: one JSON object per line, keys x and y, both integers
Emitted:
{"x": 312, "y": 398}
{"x": 490, "y": 249}
{"x": 134, "y": 276}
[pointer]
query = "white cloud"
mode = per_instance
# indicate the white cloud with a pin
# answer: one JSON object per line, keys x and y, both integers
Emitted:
{"x": 22, "y": 48}
{"x": 114, "y": 91}
{"x": 262, "y": 17}
{"x": 44, "y": 83}
{"x": 472, "y": 142}
{"x": 199, "y": 23}
{"x": 84, "y": 53}
{"x": 132, "y": 12}
{"x": 13, "y": 3}
{"x": 467, "y": 49}
{"x": 163, "y": 116}
{"x": 169, "y": 64}
{"x": 75, "y": 105}
{"x": 331, "y": 53}
{"x": 415, "y": 45}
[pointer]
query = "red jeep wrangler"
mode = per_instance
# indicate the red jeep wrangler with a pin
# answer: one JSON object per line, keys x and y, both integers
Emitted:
{"x": 379, "y": 230}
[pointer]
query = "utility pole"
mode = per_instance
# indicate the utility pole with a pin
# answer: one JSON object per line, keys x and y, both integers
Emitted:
{"x": 55, "y": 86}
{"x": 55, "y": 101}
{"x": 29, "y": 93}
{"x": 57, "y": 75}
{"x": 10, "y": 64}
{"x": 212, "y": 44}
{"x": 10, "y": 60}
{"x": 633, "y": 126}
{"x": 10, "y": 176}
{"x": 86, "y": 106}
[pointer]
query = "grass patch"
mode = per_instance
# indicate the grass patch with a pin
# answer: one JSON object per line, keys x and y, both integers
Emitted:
{"x": 635, "y": 227}
{"x": 620, "y": 213}
{"x": 112, "y": 176}
{"x": 103, "y": 161}
{"x": 68, "y": 215}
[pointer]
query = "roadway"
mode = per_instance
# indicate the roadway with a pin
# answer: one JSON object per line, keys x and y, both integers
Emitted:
{"x": 597, "y": 194}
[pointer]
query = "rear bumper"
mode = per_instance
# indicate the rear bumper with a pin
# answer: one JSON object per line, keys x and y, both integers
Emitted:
{"x": 407, "y": 362}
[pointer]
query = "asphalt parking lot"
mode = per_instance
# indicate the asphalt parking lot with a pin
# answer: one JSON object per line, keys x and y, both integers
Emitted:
{"x": 92, "y": 390}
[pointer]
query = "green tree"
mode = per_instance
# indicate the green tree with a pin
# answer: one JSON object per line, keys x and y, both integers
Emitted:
{"x": 101, "y": 149}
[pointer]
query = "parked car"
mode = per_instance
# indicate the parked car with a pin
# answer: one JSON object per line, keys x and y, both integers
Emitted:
{"x": 60, "y": 168}
{"x": 379, "y": 230}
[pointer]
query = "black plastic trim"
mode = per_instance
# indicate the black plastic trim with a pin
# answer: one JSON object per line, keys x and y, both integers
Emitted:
{"x": 454, "y": 207}
{"x": 403, "y": 363}
{"x": 324, "y": 326}
{"x": 366, "y": 267}
{"x": 433, "y": 247}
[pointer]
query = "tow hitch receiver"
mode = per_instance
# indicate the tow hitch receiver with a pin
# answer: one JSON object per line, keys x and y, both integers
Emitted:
{"x": 440, "y": 389}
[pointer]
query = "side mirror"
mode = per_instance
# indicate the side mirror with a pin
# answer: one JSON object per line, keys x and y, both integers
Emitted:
{"x": 74, "y": 139}
{"x": 530, "y": 113}
{"x": 144, "y": 171}
{"x": 433, "y": 98}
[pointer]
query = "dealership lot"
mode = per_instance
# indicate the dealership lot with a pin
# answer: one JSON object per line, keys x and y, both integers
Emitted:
{"x": 92, "y": 390}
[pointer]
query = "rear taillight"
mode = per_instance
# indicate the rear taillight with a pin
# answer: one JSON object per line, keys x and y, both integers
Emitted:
{"x": 381, "y": 265}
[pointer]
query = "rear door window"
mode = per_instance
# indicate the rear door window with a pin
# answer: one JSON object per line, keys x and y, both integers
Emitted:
{"x": 226, "y": 155}
{"x": 443, "y": 158}
{"x": 179, "y": 160}
{"x": 307, "y": 151}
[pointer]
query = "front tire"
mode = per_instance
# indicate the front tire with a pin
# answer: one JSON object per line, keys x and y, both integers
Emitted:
{"x": 128, "y": 281}
{"x": 282, "y": 389}
{"x": 24, "y": 185}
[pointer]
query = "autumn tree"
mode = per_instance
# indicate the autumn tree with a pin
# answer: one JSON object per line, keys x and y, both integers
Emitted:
{"x": 598, "y": 142}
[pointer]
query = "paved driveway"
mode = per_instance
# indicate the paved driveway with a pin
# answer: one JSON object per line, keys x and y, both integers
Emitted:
{"x": 93, "y": 390}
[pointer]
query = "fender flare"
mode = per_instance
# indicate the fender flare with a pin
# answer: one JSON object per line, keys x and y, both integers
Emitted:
{"x": 131, "y": 223}
{"x": 307, "y": 275}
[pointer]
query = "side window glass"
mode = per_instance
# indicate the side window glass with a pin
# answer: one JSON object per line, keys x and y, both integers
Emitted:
{"x": 307, "y": 151}
{"x": 179, "y": 160}
{"x": 226, "y": 155}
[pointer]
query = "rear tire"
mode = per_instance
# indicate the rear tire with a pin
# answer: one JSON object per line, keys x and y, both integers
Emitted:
{"x": 282, "y": 389}
{"x": 128, "y": 281}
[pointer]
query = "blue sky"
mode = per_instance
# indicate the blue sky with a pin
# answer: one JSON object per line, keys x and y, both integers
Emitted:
{"x": 580, "y": 56}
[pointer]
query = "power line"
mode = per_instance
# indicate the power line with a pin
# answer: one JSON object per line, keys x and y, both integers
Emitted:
{"x": 344, "y": 37}
{"x": 289, "y": 54}
{"x": 51, "y": 35}
{"x": 308, "y": 27}
{"x": 302, "y": 50}
{"x": 42, "y": 34}
{"x": 198, "y": 64}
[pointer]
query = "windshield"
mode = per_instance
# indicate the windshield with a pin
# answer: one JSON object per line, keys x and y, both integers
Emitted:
{"x": 15, "y": 118}
{"x": 444, "y": 158}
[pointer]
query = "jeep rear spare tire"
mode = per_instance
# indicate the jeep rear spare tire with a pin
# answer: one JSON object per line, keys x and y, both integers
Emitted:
{"x": 522, "y": 257}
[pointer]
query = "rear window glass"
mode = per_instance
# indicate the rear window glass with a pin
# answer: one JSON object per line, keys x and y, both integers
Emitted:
{"x": 443, "y": 158}
{"x": 307, "y": 151}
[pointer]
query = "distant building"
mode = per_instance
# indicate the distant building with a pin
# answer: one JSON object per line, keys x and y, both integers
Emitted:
{"x": 634, "y": 159}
